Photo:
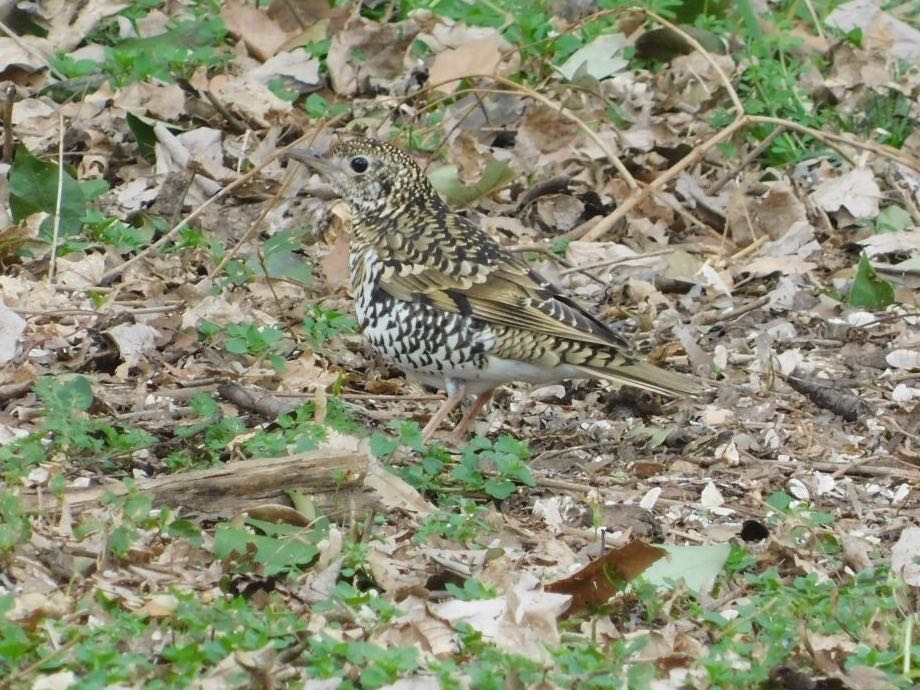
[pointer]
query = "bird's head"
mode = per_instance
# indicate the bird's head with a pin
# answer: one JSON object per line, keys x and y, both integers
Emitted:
{"x": 372, "y": 176}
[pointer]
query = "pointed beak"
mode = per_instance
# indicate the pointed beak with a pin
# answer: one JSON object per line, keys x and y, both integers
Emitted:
{"x": 312, "y": 159}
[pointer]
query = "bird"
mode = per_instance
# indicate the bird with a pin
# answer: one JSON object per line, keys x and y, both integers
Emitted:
{"x": 441, "y": 299}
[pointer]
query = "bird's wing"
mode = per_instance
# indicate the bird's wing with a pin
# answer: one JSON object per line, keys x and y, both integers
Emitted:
{"x": 495, "y": 287}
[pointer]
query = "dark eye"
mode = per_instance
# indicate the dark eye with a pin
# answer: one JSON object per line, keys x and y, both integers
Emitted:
{"x": 359, "y": 164}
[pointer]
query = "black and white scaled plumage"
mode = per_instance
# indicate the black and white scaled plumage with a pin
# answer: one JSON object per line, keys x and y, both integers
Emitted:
{"x": 439, "y": 298}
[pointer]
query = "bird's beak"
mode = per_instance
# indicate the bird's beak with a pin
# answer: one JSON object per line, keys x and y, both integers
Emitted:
{"x": 312, "y": 159}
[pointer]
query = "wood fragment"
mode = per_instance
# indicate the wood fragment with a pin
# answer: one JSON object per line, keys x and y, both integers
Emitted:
{"x": 333, "y": 479}
{"x": 8, "y": 102}
{"x": 255, "y": 399}
{"x": 848, "y": 406}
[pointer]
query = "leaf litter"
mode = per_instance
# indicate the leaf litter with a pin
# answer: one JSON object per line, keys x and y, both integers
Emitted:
{"x": 790, "y": 284}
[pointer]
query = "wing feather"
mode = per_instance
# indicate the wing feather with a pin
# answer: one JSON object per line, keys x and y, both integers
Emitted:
{"x": 501, "y": 291}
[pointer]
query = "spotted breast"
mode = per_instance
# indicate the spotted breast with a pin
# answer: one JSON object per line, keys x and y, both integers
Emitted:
{"x": 438, "y": 297}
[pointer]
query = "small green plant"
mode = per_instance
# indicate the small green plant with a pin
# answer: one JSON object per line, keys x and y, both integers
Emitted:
{"x": 205, "y": 442}
{"x": 463, "y": 522}
{"x": 804, "y": 523}
{"x": 191, "y": 238}
{"x": 326, "y": 658}
{"x": 68, "y": 430}
{"x": 15, "y": 526}
{"x": 190, "y": 43}
{"x": 318, "y": 107}
{"x": 471, "y": 590}
{"x": 494, "y": 468}
{"x": 255, "y": 341}
{"x": 282, "y": 258}
{"x": 273, "y": 548}
{"x": 377, "y": 611}
{"x": 766, "y": 626}
{"x": 294, "y": 432}
{"x": 486, "y": 467}
{"x": 124, "y": 238}
{"x": 33, "y": 187}
{"x": 868, "y": 290}
{"x": 321, "y": 324}
{"x": 893, "y": 218}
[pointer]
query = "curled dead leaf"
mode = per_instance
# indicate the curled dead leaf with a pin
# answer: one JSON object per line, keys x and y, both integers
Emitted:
{"x": 603, "y": 577}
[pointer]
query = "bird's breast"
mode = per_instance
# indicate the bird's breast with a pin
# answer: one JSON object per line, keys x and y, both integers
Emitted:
{"x": 414, "y": 335}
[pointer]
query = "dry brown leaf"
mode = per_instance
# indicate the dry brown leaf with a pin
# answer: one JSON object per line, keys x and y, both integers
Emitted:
{"x": 856, "y": 191}
{"x": 383, "y": 47}
{"x": 70, "y": 22}
{"x": 753, "y": 213}
{"x": 163, "y": 101}
{"x": 12, "y": 325}
{"x": 261, "y": 34}
{"x": 480, "y": 56}
{"x": 905, "y": 555}
{"x": 598, "y": 581}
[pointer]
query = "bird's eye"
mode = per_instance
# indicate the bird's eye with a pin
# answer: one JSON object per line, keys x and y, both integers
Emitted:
{"x": 359, "y": 164}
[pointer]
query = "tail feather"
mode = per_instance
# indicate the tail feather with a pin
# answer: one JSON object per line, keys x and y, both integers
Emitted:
{"x": 648, "y": 377}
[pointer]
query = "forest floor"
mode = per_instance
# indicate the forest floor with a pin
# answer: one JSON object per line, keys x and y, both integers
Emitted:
{"x": 209, "y": 481}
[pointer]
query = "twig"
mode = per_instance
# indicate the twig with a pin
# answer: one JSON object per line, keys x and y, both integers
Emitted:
{"x": 815, "y": 20}
{"x": 294, "y": 13}
{"x": 743, "y": 163}
{"x": 553, "y": 185}
{"x": 614, "y": 262}
{"x": 55, "y": 234}
{"x": 266, "y": 209}
{"x": 8, "y": 104}
{"x": 608, "y": 222}
{"x": 549, "y": 103}
{"x": 736, "y": 100}
{"x": 34, "y": 52}
{"x": 626, "y": 176}
{"x": 331, "y": 477}
{"x": 711, "y": 318}
{"x": 243, "y": 146}
{"x": 742, "y": 120}
{"x": 254, "y": 399}
{"x": 236, "y": 126}
{"x": 912, "y": 162}
{"x": 23, "y": 672}
{"x": 836, "y": 467}
{"x": 848, "y": 406}
{"x": 751, "y": 248}
{"x": 118, "y": 270}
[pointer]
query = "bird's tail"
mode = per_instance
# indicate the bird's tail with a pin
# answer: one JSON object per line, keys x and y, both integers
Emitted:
{"x": 647, "y": 377}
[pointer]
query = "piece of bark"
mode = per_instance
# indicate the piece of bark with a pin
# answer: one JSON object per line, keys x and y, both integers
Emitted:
{"x": 332, "y": 479}
{"x": 826, "y": 396}
{"x": 256, "y": 400}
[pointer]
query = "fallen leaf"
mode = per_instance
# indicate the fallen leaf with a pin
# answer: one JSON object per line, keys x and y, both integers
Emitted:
{"x": 601, "y": 58}
{"x": 697, "y": 566}
{"x": 133, "y": 340}
{"x": 603, "y": 577}
{"x": 480, "y": 56}
{"x": 261, "y": 34}
{"x": 905, "y": 556}
{"x": 12, "y": 325}
{"x": 856, "y": 191}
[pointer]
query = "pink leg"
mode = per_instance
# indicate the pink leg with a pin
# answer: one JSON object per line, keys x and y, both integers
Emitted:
{"x": 460, "y": 434}
{"x": 446, "y": 408}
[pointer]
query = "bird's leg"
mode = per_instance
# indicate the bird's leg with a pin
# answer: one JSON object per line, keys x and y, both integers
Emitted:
{"x": 460, "y": 434}
{"x": 454, "y": 399}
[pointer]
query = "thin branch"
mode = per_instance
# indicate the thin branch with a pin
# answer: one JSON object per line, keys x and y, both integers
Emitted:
{"x": 56, "y": 232}
{"x": 32, "y": 50}
{"x": 240, "y": 181}
{"x": 613, "y": 262}
{"x": 8, "y": 103}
